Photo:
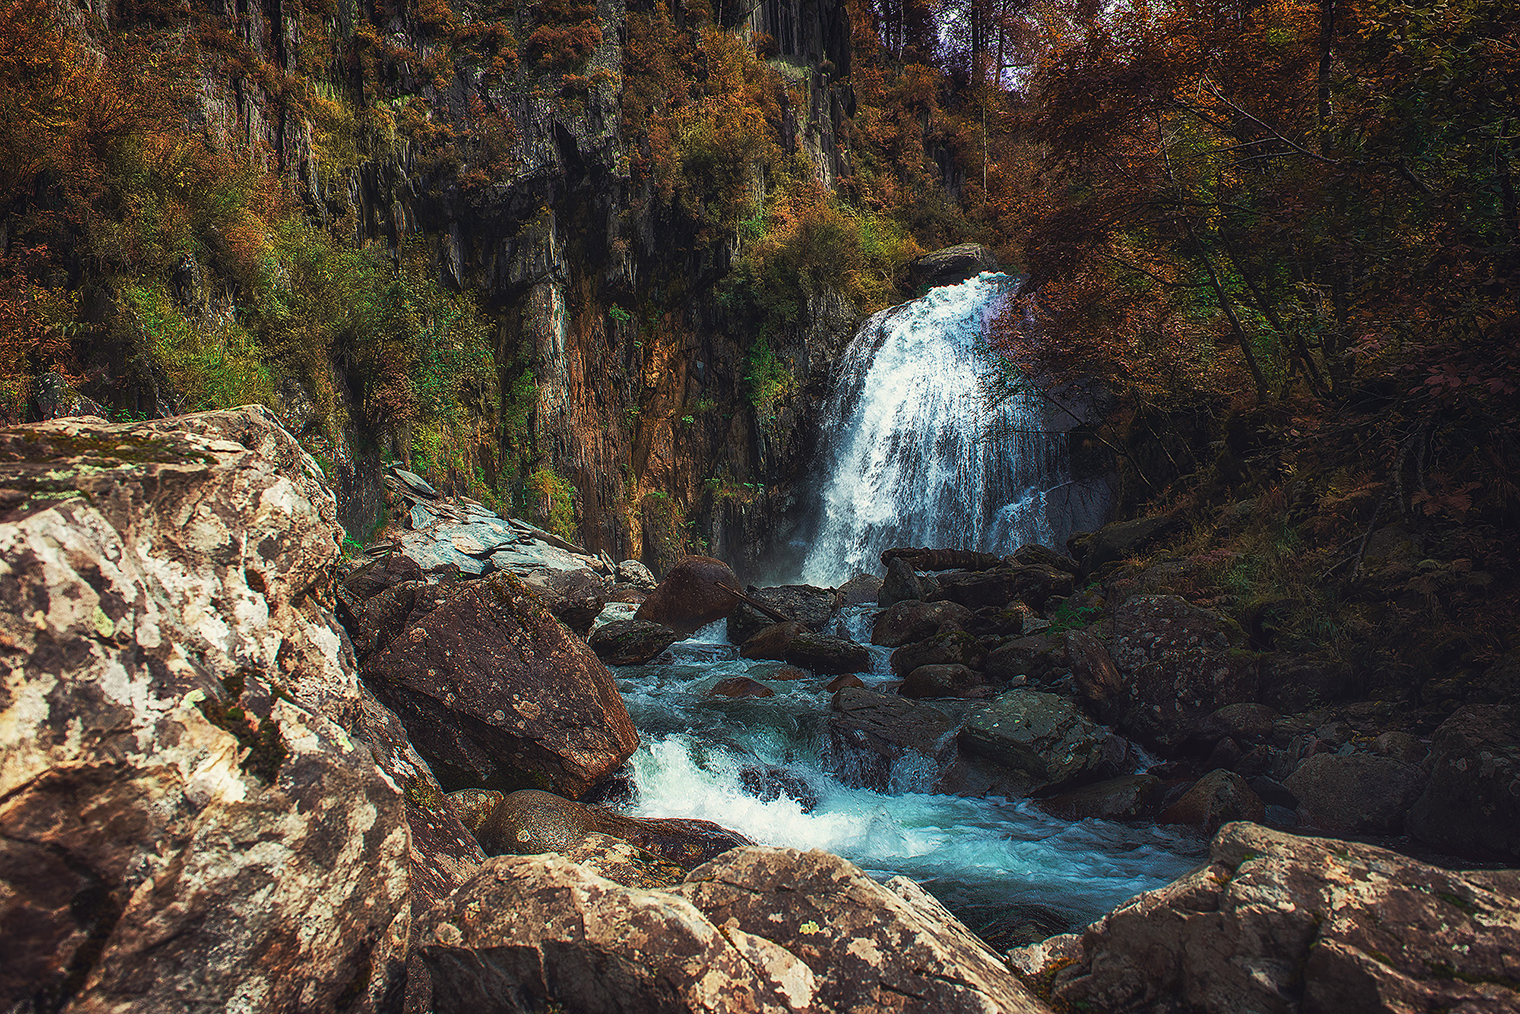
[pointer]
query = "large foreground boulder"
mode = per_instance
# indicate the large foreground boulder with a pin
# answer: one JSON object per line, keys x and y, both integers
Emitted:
{"x": 529, "y": 931}
{"x": 758, "y": 929}
{"x": 189, "y": 820}
{"x": 692, "y": 595}
{"x": 1277, "y": 923}
{"x": 495, "y": 693}
{"x": 871, "y": 947}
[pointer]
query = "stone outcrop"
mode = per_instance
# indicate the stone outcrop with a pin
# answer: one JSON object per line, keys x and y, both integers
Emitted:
{"x": 1177, "y": 665}
{"x": 1473, "y": 798}
{"x": 951, "y": 265}
{"x": 870, "y": 947}
{"x": 528, "y": 931}
{"x": 191, "y": 816}
{"x": 1276, "y": 924}
{"x": 495, "y": 693}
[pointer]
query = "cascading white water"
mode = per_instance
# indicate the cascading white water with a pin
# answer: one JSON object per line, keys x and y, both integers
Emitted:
{"x": 764, "y": 767}
{"x": 917, "y": 453}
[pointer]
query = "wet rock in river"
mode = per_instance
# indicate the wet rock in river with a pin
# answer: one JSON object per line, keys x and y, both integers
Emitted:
{"x": 812, "y": 607}
{"x": 740, "y": 686}
{"x": 494, "y": 692}
{"x": 772, "y": 641}
{"x": 824, "y": 653}
{"x": 943, "y": 681}
{"x": 1126, "y": 798}
{"x": 870, "y": 733}
{"x": 1043, "y": 735}
{"x": 631, "y": 642}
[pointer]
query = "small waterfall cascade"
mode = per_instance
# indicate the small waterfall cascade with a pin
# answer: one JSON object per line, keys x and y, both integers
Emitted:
{"x": 917, "y": 451}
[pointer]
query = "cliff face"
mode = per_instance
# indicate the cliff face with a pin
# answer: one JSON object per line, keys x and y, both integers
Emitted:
{"x": 597, "y": 288}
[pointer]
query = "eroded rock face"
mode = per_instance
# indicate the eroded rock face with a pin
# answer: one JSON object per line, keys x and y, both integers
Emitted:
{"x": 190, "y": 820}
{"x": 870, "y": 947}
{"x": 495, "y": 693}
{"x": 1277, "y": 923}
{"x": 1177, "y": 667}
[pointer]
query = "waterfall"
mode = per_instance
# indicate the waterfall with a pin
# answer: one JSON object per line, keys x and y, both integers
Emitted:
{"x": 918, "y": 452}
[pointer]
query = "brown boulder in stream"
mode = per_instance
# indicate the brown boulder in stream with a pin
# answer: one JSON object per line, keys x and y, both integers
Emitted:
{"x": 689, "y": 597}
{"x": 494, "y": 692}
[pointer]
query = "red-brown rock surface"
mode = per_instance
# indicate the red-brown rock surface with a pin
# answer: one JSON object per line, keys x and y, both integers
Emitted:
{"x": 494, "y": 692}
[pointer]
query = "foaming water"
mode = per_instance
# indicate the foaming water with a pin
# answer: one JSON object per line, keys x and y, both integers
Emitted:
{"x": 919, "y": 454}
{"x": 992, "y": 861}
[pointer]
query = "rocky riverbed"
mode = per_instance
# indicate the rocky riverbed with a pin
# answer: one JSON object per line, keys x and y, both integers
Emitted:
{"x": 241, "y": 772}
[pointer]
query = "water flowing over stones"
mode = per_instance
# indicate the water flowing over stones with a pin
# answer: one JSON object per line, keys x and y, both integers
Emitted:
{"x": 922, "y": 456}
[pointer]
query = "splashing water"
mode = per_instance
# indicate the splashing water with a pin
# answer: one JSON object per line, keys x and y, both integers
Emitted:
{"x": 761, "y": 767}
{"x": 918, "y": 452}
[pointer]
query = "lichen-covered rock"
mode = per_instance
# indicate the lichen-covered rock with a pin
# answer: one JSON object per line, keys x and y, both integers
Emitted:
{"x": 528, "y": 931}
{"x": 190, "y": 820}
{"x": 631, "y": 642}
{"x": 494, "y": 692}
{"x": 691, "y": 595}
{"x": 1043, "y": 735}
{"x": 473, "y": 806}
{"x": 870, "y": 947}
{"x": 1178, "y": 667}
{"x": 1359, "y": 794}
{"x": 912, "y": 620}
{"x": 1472, "y": 802}
{"x": 1035, "y": 656}
{"x": 1279, "y": 924}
